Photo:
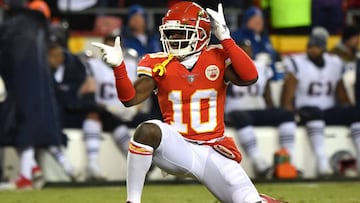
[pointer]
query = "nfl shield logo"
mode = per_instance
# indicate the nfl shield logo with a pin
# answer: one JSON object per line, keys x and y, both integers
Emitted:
{"x": 190, "y": 78}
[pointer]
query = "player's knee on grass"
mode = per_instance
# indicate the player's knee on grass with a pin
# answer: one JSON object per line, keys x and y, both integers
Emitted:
{"x": 148, "y": 134}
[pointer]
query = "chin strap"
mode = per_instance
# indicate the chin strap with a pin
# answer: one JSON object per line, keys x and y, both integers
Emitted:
{"x": 161, "y": 67}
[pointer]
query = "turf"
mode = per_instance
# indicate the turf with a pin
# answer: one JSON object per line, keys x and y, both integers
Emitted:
{"x": 344, "y": 192}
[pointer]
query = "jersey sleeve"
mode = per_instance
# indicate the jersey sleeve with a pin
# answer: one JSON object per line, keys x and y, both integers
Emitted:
{"x": 145, "y": 66}
{"x": 290, "y": 65}
{"x": 147, "y": 63}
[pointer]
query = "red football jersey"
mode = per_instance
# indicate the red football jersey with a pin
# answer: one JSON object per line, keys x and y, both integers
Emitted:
{"x": 191, "y": 101}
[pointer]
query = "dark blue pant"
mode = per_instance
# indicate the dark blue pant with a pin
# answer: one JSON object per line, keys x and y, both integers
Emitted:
{"x": 338, "y": 115}
{"x": 266, "y": 117}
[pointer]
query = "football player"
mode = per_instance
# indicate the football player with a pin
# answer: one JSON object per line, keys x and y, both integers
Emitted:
{"x": 247, "y": 106}
{"x": 314, "y": 88}
{"x": 190, "y": 79}
{"x": 74, "y": 89}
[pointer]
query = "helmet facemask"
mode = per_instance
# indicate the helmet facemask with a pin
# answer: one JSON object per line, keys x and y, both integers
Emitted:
{"x": 182, "y": 40}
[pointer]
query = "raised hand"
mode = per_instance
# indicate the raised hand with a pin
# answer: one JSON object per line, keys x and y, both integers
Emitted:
{"x": 113, "y": 56}
{"x": 221, "y": 30}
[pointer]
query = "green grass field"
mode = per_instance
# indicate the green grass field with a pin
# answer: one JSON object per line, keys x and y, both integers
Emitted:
{"x": 342, "y": 192}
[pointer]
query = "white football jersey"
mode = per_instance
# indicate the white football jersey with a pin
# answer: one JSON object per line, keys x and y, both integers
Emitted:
{"x": 316, "y": 85}
{"x": 249, "y": 97}
{"x": 349, "y": 79}
{"x": 106, "y": 94}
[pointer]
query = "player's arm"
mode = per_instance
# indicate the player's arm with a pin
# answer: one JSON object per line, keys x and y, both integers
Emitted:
{"x": 232, "y": 76}
{"x": 128, "y": 93}
{"x": 243, "y": 68}
{"x": 267, "y": 96}
{"x": 144, "y": 87}
{"x": 288, "y": 92}
{"x": 341, "y": 94}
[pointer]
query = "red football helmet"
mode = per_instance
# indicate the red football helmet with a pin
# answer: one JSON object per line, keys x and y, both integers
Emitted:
{"x": 185, "y": 29}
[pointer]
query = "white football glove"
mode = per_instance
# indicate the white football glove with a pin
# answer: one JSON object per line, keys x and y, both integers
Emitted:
{"x": 113, "y": 56}
{"x": 220, "y": 28}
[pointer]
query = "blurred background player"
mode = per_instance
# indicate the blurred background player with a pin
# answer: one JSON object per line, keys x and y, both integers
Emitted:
{"x": 347, "y": 50}
{"x": 314, "y": 89}
{"x": 190, "y": 81}
{"x": 347, "y": 47}
{"x": 253, "y": 29}
{"x": 136, "y": 35}
{"x": 75, "y": 95}
{"x": 111, "y": 115}
{"x": 27, "y": 79}
{"x": 251, "y": 106}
